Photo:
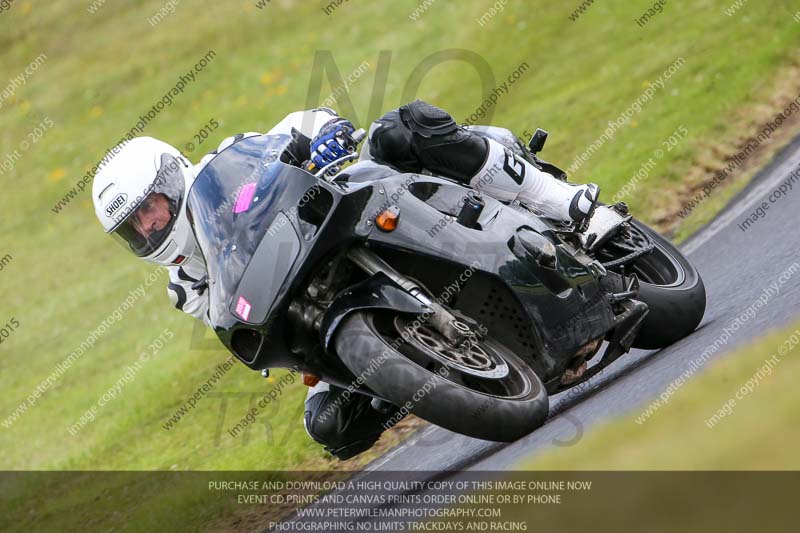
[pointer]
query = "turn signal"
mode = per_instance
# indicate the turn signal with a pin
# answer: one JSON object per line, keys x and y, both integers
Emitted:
{"x": 310, "y": 380}
{"x": 387, "y": 219}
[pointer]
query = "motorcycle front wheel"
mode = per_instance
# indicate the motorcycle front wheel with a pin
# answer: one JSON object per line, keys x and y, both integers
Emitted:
{"x": 480, "y": 389}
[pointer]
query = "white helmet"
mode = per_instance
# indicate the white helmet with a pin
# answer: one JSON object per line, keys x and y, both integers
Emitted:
{"x": 139, "y": 198}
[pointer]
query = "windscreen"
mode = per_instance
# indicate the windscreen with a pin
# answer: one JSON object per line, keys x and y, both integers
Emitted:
{"x": 232, "y": 204}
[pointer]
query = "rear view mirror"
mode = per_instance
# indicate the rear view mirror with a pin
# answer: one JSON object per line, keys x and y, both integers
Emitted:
{"x": 537, "y": 140}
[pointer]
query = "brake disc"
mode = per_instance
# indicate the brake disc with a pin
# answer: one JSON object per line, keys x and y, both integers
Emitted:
{"x": 470, "y": 357}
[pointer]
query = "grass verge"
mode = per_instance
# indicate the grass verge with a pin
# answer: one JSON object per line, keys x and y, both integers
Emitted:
{"x": 738, "y": 415}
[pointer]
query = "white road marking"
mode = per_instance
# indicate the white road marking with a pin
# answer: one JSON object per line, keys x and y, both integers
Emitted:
{"x": 755, "y": 195}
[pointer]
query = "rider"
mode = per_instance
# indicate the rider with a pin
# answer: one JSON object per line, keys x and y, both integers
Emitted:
{"x": 139, "y": 197}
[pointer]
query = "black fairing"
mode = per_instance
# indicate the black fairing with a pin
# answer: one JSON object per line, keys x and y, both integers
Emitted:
{"x": 544, "y": 314}
{"x": 263, "y": 252}
{"x": 543, "y": 310}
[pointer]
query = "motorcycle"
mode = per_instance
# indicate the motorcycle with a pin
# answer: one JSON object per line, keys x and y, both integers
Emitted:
{"x": 422, "y": 293}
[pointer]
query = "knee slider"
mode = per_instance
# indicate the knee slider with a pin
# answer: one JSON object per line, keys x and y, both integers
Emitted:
{"x": 340, "y": 423}
{"x": 324, "y": 430}
{"x": 337, "y": 440}
{"x": 320, "y": 420}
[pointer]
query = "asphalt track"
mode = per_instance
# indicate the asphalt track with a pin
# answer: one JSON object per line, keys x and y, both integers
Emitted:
{"x": 737, "y": 268}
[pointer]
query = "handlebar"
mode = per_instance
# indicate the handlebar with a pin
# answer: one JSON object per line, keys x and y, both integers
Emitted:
{"x": 349, "y": 157}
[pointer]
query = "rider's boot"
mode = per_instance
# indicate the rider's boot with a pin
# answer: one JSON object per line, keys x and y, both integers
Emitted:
{"x": 505, "y": 176}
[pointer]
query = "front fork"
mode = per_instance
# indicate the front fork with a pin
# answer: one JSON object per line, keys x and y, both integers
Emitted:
{"x": 441, "y": 319}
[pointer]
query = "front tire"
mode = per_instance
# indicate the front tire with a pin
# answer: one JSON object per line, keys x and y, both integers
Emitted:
{"x": 471, "y": 397}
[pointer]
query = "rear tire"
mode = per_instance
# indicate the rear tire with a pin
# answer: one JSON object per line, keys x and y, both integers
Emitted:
{"x": 497, "y": 409}
{"x": 673, "y": 290}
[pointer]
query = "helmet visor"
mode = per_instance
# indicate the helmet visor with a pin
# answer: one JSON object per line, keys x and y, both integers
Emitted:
{"x": 145, "y": 225}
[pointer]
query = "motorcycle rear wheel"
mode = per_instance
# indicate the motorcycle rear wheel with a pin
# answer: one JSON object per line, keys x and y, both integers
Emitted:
{"x": 670, "y": 286}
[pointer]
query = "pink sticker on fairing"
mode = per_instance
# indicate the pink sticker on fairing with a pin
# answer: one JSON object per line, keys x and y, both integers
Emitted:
{"x": 245, "y": 198}
{"x": 243, "y": 308}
